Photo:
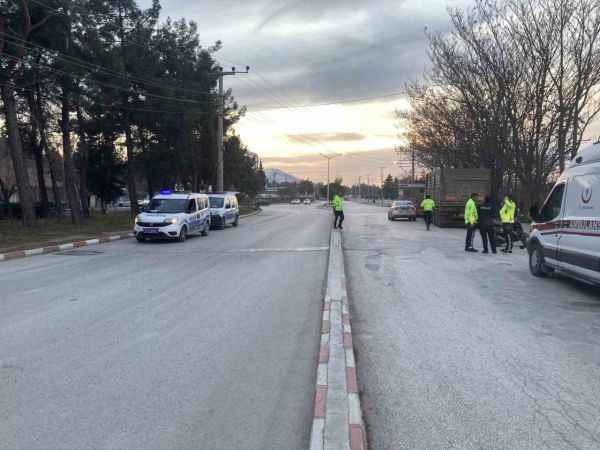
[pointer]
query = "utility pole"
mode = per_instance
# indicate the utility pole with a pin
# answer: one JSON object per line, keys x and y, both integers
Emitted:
{"x": 328, "y": 158}
{"x": 412, "y": 177}
{"x": 221, "y": 74}
{"x": 369, "y": 187}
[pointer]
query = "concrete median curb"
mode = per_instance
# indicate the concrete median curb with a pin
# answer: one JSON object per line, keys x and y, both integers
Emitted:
{"x": 337, "y": 419}
{"x": 62, "y": 247}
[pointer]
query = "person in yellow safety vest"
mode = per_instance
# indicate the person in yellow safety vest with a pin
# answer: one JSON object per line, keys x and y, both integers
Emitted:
{"x": 338, "y": 210}
{"x": 428, "y": 205}
{"x": 471, "y": 218}
{"x": 507, "y": 217}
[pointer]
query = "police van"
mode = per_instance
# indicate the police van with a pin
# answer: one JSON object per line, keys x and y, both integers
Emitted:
{"x": 565, "y": 235}
{"x": 173, "y": 215}
{"x": 224, "y": 210}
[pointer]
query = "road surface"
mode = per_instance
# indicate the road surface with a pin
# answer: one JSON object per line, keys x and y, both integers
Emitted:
{"x": 208, "y": 344}
{"x": 467, "y": 351}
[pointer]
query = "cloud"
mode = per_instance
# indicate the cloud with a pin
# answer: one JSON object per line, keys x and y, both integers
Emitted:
{"x": 349, "y": 166}
{"x": 326, "y": 137}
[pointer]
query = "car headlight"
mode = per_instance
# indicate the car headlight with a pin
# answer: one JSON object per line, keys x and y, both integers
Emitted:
{"x": 172, "y": 221}
{"x": 138, "y": 219}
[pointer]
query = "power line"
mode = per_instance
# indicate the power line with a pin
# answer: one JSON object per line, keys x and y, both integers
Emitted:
{"x": 101, "y": 83}
{"x": 125, "y": 108}
{"x": 87, "y": 65}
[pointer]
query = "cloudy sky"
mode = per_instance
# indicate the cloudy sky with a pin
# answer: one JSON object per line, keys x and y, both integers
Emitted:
{"x": 326, "y": 75}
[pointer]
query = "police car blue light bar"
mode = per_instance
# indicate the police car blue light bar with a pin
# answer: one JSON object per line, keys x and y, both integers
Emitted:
{"x": 165, "y": 192}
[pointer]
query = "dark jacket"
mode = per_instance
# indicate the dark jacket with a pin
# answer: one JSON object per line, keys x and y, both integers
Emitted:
{"x": 487, "y": 214}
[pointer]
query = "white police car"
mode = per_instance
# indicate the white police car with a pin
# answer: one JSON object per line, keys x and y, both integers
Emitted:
{"x": 173, "y": 215}
{"x": 224, "y": 209}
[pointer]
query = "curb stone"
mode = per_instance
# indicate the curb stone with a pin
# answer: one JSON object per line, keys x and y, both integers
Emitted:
{"x": 76, "y": 244}
{"x": 62, "y": 247}
{"x": 337, "y": 418}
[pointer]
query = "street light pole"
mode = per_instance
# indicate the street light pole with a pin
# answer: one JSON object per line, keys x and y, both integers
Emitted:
{"x": 329, "y": 158}
{"x": 221, "y": 114}
{"x": 381, "y": 169}
{"x": 359, "y": 194}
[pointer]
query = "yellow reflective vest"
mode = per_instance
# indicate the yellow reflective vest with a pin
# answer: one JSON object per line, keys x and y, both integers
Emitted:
{"x": 428, "y": 204}
{"x": 338, "y": 203}
{"x": 471, "y": 215}
{"x": 507, "y": 213}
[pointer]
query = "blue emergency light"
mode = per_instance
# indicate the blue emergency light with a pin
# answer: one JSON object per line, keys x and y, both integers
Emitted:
{"x": 165, "y": 192}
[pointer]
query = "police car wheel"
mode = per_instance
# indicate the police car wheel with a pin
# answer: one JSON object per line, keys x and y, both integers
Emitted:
{"x": 206, "y": 229}
{"x": 237, "y": 220}
{"x": 183, "y": 234}
{"x": 140, "y": 238}
{"x": 537, "y": 264}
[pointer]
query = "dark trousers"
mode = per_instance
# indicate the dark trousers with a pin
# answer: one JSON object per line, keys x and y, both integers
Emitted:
{"x": 508, "y": 229}
{"x": 488, "y": 235}
{"x": 339, "y": 217}
{"x": 470, "y": 236}
{"x": 428, "y": 218}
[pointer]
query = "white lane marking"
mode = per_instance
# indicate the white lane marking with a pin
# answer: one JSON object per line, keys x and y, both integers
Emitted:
{"x": 278, "y": 250}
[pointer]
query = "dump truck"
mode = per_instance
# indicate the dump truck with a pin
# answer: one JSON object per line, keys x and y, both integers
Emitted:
{"x": 451, "y": 188}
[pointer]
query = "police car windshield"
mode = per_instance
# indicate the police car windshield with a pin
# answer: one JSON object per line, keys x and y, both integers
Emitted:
{"x": 216, "y": 202}
{"x": 167, "y": 205}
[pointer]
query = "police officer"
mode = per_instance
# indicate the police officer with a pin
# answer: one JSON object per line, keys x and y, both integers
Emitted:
{"x": 471, "y": 218}
{"x": 487, "y": 214}
{"x": 507, "y": 217}
{"x": 338, "y": 210}
{"x": 427, "y": 205}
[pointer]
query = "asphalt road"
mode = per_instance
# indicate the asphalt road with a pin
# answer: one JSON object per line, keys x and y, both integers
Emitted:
{"x": 209, "y": 344}
{"x": 467, "y": 351}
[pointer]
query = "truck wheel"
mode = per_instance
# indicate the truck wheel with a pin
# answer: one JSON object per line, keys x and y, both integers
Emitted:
{"x": 537, "y": 263}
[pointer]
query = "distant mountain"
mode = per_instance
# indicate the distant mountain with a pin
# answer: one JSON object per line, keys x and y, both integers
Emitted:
{"x": 279, "y": 176}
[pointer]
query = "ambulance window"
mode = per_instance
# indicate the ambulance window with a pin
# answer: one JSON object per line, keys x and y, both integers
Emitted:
{"x": 552, "y": 207}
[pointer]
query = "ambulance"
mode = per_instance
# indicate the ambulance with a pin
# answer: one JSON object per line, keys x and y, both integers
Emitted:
{"x": 173, "y": 215}
{"x": 565, "y": 235}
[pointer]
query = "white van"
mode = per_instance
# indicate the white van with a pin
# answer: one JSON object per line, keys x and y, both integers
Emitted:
{"x": 173, "y": 215}
{"x": 224, "y": 210}
{"x": 566, "y": 234}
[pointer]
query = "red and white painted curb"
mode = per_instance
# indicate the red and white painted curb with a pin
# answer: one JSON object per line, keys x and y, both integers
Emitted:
{"x": 63, "y": 247}
{"x": 337, "y": 422}
{"x": 77, "y": 244}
